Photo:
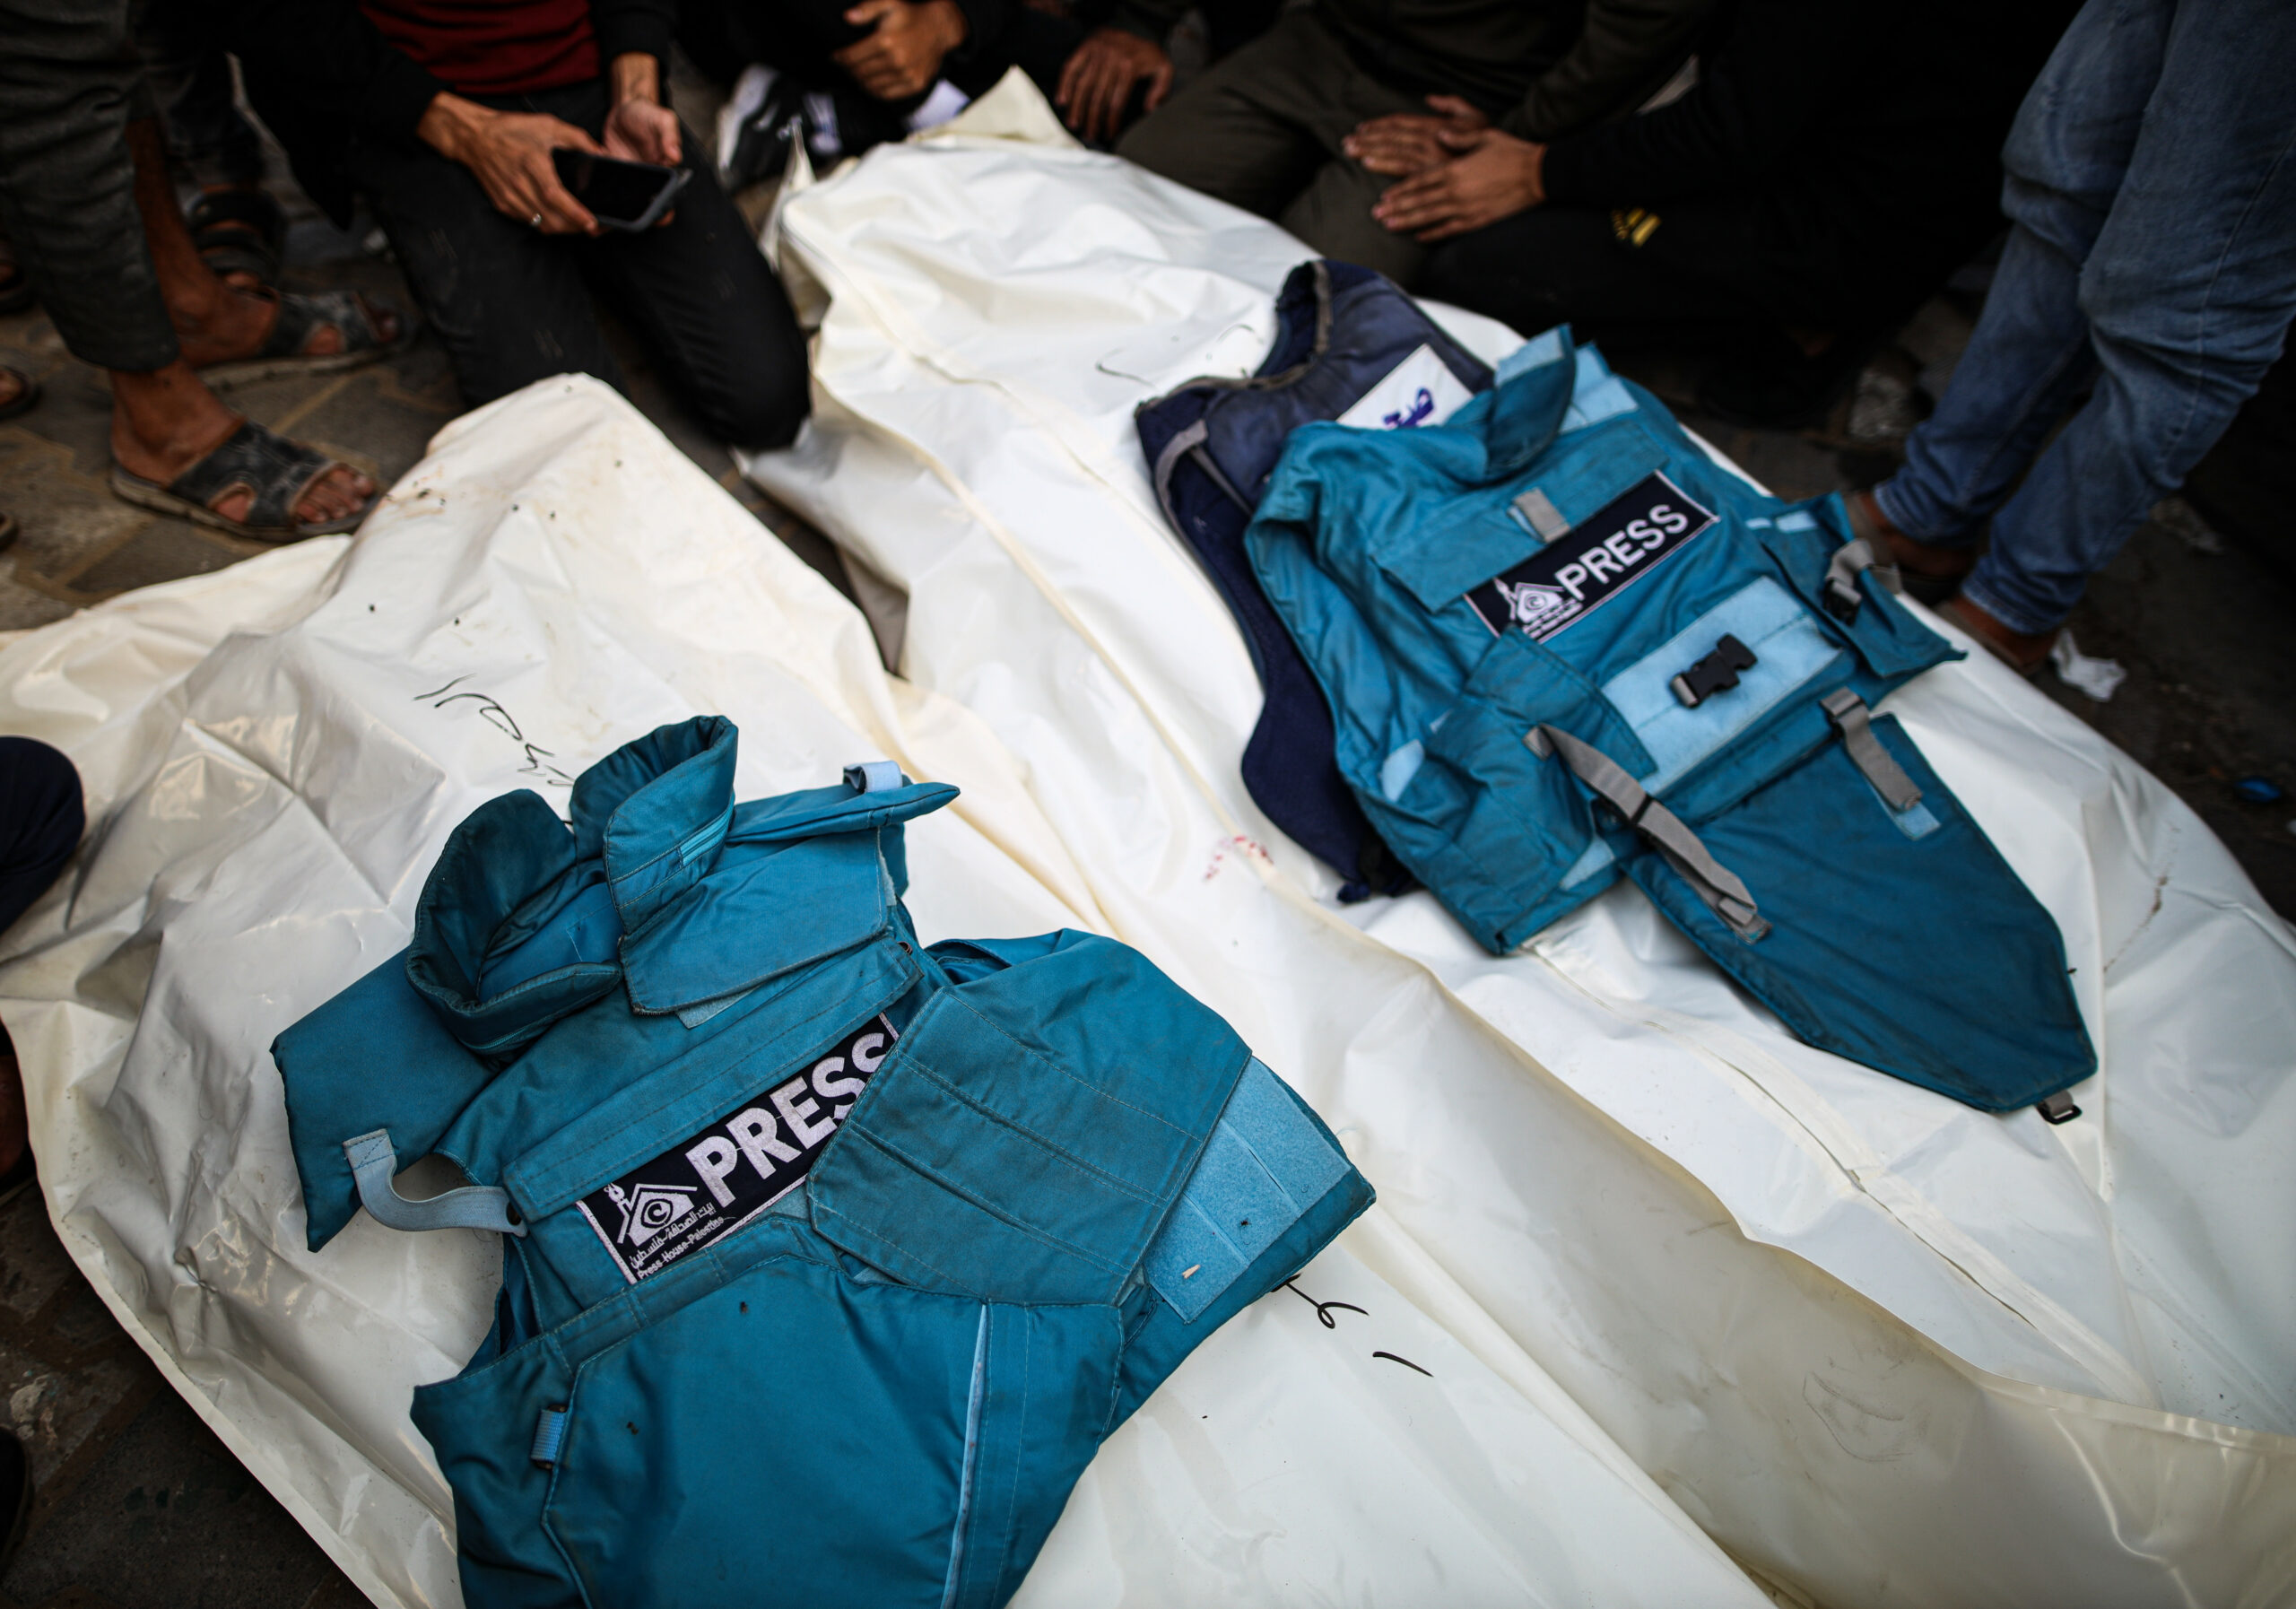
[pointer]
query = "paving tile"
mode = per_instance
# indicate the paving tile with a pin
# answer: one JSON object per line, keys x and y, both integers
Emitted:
{"x": 167, "y": 1519}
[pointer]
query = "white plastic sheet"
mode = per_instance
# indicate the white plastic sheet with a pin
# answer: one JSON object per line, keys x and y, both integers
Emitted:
{"x": 2003, "y": 1362}
{"x": 272, "y": 755}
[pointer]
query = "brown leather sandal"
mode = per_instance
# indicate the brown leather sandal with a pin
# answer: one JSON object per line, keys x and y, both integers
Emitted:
{"x": 2024, "y": 652}
{"x": 1931, "y": 573}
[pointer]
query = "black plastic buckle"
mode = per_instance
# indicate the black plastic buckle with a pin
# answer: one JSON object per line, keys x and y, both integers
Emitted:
{"x": 1843, "y": 601}
{"x": 2057, "y": 1109}
{"x": 1716, "y": 673}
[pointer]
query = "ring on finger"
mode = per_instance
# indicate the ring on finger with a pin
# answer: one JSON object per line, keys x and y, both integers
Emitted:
{"x": 535, "y": 221}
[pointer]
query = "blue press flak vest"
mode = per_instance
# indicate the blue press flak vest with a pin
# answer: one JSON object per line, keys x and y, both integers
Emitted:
{"x": 1558, "y": 645}
{"x": 829, "y": 1258}
{"x": 1348, "y": 343}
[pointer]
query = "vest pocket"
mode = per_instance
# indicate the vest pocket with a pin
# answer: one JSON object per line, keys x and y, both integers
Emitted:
{"x": 793, "y": 1437}
{"x": 1893, "y": 644}
{"x": 1497, "y": 831}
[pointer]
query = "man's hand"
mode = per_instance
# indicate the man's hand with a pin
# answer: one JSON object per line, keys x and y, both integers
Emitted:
{"x": 1404, "y": 144}
{"x": 903, "y": 53}
{"x": 640, "y": 128}
{"x": 509, "y": 153}
{"x": 1098, "y": 80}
{"x": 1493, "y": 175}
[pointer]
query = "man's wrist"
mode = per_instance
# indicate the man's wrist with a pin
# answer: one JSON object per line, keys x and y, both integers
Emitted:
{"x": 635, "y": 76}
{"x": 448, "y": 125}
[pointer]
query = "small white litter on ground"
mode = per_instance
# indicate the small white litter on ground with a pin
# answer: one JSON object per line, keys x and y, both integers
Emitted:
{"x": 2099, "y": 679}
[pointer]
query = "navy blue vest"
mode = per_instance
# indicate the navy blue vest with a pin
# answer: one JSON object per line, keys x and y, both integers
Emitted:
{"x": 1347, "y": 343}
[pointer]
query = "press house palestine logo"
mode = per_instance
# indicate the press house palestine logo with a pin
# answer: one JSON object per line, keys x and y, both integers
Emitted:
{"x": 1534, "y": 608}
{"x": 649, "y": 1209}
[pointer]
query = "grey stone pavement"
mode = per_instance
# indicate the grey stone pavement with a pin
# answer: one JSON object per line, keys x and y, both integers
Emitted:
{"x": 139, "y": 1506}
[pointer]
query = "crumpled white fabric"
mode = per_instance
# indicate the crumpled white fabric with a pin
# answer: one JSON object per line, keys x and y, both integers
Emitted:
{"x": 993, "y": 303}
{"x": 272, "y": 755}
{"x": 2097, "y": 679}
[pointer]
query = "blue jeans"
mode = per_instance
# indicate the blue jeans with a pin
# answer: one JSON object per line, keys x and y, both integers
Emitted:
{"x": 2152, "y": 185}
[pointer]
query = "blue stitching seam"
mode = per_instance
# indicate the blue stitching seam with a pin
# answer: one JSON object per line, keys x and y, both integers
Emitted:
{"x": 972, "y": 1457}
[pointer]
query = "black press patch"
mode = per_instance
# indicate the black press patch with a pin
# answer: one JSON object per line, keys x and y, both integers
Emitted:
{"x": 1566, "y": 580}
{"x": 696, "y": 1192}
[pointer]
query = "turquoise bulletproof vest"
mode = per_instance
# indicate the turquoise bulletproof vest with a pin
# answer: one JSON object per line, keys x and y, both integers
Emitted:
{"x": 1562, "y": 645}
{"x": 830, "y": 1257}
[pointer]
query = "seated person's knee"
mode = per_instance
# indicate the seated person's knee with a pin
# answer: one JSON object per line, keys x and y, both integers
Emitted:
{"x": 762, "y": 416}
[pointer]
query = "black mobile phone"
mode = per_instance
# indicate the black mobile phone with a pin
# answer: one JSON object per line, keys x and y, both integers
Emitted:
{"x": 620, "y": 195}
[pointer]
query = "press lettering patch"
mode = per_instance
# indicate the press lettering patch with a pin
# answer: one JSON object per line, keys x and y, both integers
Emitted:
{"x": 1420, "y": 390}
{"x": 1566, "y": 580}
{"x": 696, "y": 1192}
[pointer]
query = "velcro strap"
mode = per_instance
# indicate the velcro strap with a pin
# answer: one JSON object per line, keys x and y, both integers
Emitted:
{"x": 1714, "y": 884}
{"x": 1860, "y": 553}
{"x": 1850, "y": 718}
{"x": 374, "y": 1162}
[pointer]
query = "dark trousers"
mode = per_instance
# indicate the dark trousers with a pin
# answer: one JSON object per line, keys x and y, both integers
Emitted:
{"x": 69, "y": 83}
{"x": 209, "y": 140}
{"x": 1721, "y": 272}
{"x": 40, "y": 821}
{"x": 514, "y": 305}
{"x": 1263, "y": 130}
{"x": 1695, "y": 278}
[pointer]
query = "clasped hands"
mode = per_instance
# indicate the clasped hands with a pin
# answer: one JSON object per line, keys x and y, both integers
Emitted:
{"x": 1457, "y": 172}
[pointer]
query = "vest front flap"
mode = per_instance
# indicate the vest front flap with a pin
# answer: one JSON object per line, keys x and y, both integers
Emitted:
{"x": 764, "y": 909}
{"x": 1439, "y": 561}
{"x": 580, "y": 1124}
{"x": 1032, "y": 1128}
{"x": 1904, "y": 943}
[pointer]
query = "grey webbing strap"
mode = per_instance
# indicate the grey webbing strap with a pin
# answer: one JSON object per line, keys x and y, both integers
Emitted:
{"x": 1855, "y": 722}
{"x": 1169, "y": 460}
{"x": 1546, "y": 518}
{"x": 1718, "y": 886}
{"x": 1868, "y": 553}
{"x": 373, "y": 1164}
{"x": 1191, "y": 439}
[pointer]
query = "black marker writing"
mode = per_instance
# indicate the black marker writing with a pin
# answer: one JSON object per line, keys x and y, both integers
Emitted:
{"x": 536, "y": 756}
{"x": 1323, "y": 1308}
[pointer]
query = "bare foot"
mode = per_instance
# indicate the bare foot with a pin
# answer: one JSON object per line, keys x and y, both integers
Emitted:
{"x": 165, "y": 422}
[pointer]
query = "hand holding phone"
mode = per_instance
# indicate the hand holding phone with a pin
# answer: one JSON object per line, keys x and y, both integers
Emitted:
{"x": 620, "y": 195}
